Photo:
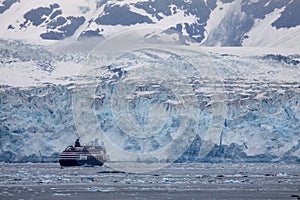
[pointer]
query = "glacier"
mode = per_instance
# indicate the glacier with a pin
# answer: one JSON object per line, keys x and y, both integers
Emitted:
{"x": 150, "y": 103}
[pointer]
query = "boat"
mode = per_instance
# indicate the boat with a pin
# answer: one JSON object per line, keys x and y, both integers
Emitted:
{"x": 78, "y": 155}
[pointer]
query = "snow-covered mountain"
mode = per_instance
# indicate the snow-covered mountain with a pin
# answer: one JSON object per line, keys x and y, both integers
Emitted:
{"x": 158, "y": 87}
{"x": 208, "y": 22}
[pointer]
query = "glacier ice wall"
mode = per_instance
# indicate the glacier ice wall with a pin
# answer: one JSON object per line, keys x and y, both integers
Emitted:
{"x": 41, "y": 120}
{"x": 261, "y": 123}
{"x": 256, "y": 130}
{"x": 36, "y": 123}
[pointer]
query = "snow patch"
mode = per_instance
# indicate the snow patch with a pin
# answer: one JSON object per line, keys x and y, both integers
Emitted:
{"x": 263, "y": 34}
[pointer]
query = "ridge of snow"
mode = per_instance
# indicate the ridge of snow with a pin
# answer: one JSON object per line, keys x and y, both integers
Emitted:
{"x": 216, "y": 17}
{"x": 263, "y": 33}
{"x": 26, "y": 74}
{"x": 252, "y": 51}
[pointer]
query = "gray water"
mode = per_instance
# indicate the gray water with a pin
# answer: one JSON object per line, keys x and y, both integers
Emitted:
{"x": 176, "y": 181}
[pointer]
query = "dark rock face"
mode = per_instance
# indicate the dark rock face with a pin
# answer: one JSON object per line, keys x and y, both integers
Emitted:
{"x": 121, "y": 16}
{"x": 67, "y": 30}
{"x": 6, "y": 4}
{"x": 289, "y": 17}
{"x": 90, "y": 34}
{"x": 57, "y": 22}
{"x": 51, "y": 35}
{"x": 36, "y": 16}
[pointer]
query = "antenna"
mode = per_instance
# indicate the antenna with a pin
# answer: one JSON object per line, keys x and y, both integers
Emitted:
{"x": 41, "y": 156}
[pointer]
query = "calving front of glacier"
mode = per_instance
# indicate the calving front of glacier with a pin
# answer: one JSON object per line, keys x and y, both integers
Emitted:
{"x": 256, "y": 130}
{"x": 183, "y": 87}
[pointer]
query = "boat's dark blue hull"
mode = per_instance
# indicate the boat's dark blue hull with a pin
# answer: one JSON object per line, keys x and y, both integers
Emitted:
{"x": 69, "y": 162}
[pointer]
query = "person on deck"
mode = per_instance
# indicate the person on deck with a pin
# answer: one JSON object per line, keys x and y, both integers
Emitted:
{"x": 77, "y": 143}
